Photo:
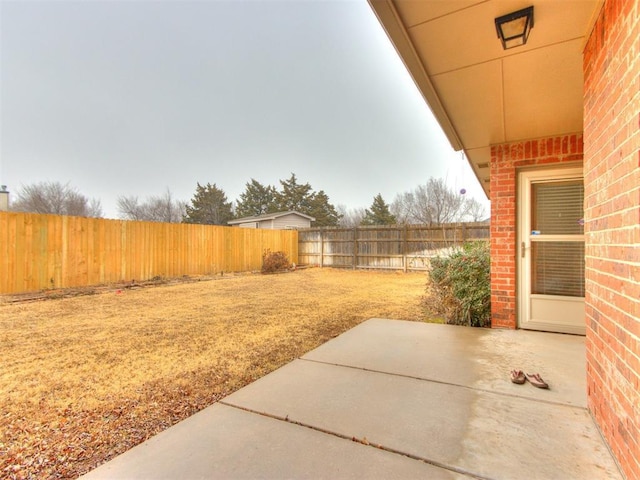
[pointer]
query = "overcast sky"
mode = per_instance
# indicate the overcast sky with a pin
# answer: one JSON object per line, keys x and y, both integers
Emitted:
{"x": 134, "y": 97}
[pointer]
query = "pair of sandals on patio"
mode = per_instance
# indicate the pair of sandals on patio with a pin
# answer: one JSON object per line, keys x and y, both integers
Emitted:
{"x": 519, "y": 377}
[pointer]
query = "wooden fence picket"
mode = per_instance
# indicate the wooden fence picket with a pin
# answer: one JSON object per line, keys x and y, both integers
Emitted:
{"x": 396, "y": 247}
{"x": 40, "y": 252}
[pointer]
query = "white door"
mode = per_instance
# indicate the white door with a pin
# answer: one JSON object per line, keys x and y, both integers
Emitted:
{"x": 551, "y": 251}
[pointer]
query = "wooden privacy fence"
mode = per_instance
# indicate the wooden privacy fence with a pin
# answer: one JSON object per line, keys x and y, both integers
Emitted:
{"x": 50, "y": 251}
{"x": 384, "y": 247}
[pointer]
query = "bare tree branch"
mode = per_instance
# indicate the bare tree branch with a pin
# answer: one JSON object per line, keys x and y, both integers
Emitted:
{"x": 55, "y": 198}
{"x": 350, "y": 218}
{"x": 435, "y": 203}
{"x": 160, "y": 208}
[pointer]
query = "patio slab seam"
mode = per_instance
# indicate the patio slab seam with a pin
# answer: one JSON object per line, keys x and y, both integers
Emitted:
{"x": 392, "y": 386}
{"x": 421, "y": 457}
{"x": 362, "y": 441}
{"x": 452, "y": 384}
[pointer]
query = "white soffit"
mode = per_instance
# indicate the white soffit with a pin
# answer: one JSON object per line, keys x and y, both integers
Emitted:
{"x": 552, "y": 104}
{"x": 480, "y": 93}
{"x": 471, "y": 95}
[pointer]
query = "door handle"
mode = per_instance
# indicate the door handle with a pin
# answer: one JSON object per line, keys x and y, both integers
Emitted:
{"x": 522, "y": 249}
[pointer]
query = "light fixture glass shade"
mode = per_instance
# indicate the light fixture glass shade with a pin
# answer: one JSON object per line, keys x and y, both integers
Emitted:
{"x": 513, "y": 29}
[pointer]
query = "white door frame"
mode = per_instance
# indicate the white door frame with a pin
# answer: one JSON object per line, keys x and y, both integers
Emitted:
{"x": 530, "y": 317}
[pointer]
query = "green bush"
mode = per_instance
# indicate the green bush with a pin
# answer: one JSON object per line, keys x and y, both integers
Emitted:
{"x": 459, "y": 287}
{"x": 274, "y": 261}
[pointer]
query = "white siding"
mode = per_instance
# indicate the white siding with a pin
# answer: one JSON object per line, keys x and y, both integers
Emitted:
{"x": 282, "y": 221}
{"x": 291, "y": 221}
{"x": 4, "y": 200}
{"x": 266, "y": 224}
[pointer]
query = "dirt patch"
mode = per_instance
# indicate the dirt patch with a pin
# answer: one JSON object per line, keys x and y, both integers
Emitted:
{"x": 85, "y": 378}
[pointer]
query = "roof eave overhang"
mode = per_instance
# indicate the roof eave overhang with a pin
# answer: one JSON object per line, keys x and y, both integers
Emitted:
{"x": 391, "y": 22}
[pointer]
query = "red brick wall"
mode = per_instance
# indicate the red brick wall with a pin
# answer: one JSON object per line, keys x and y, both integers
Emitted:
{"x": 506, "y": 159}
{"x": 612, "y": 231}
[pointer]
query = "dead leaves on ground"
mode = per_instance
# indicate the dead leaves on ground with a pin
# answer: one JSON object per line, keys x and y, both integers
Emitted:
{"x": 194, "y": 344}
{"x": 64, "y": 443}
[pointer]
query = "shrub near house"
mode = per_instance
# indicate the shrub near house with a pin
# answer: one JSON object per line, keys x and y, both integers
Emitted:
{"x": 459, "y": 286}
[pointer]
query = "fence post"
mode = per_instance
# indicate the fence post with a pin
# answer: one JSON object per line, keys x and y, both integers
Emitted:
{"x": 404, "y": 249}
{"x": 321, "y": 249}
{"x": 355, "y": 247}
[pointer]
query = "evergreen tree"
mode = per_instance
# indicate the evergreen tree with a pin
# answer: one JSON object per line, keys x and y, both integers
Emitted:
{"x": 302, "y": 198}
{"x": 294, "y": 196}
{"x": 209, "y": 206}
{"x": 323, "y": 211}
{"x": 379, "y": 213}
{"x": 256, "y": 199}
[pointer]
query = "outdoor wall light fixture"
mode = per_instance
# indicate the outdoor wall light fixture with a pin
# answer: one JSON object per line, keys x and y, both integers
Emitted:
{"x": 513, "y": 29}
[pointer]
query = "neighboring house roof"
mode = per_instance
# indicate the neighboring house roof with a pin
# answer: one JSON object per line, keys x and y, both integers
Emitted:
{"x": 268, "y": 216}
{"x": 483, "y": 95}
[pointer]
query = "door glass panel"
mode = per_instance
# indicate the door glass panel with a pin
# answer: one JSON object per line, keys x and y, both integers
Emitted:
{"x": 557, "y": 268}
{"x": 558, "y": 208}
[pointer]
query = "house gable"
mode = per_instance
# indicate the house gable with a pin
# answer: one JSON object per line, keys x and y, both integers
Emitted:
{"x": 275, "y": 221}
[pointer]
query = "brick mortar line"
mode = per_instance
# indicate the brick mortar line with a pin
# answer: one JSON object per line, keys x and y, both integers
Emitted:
{"x": 617, "y": 292}
{"x": 613, "y": 306}
{"x": 630, "y": 208}
{"x": 621, "y": 245}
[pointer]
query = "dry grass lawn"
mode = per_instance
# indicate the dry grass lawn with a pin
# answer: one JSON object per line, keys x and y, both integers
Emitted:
{"x": 83, "y": 379}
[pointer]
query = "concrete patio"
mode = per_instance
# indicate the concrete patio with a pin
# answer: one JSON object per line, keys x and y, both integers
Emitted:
{"x": 394, "y": 399}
